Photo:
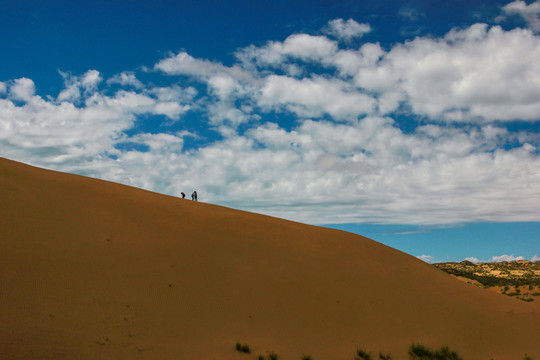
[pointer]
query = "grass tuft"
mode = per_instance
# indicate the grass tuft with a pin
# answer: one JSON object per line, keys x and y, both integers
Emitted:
{"x": 243, "y": 348}
{"x": 420, "y": 352}
{"x": 362, "y": 355}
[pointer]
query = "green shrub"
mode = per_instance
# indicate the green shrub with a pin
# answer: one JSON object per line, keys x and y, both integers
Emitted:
{"x": 362, "y": 355}
{"x": 420, "y": 352}
{"x": 273, "y": 356}
{"x": 243, "y": 348}
{"x": 384, "y": 357}
{"x": 446, "y": 354}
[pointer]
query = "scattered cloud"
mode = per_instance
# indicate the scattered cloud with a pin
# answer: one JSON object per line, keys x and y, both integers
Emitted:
{"x": 126, "y": 79}
{"x": 535, "y": 258}
{"x": 506, "y": 258}
{"x": 426, "y": 258}
{"x": 472, "y": 259}
{"x": 22, "y": 89}
{"x": 347, "y": 30}
{"x": 308, "y": 128}
{"x": 531, "y": 12}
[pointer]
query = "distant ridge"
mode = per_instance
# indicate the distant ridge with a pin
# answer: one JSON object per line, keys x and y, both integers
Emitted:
{"x": 520, "y": 278}
{"x": 91, "y": 269}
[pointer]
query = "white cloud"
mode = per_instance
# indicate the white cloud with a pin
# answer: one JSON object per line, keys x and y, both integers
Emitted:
{"x": 307, "y": 129}
{"x": 184, "y": 64}
{"x": 90, "y": 80}
{"x": 172, "y": 110}
{"x": 506, "y": 258}
{"x": 297, "y": 46}
{"x": 531, "y": 13}
{"x": 315, "y": 97}
{"x": 22, "y": 89}
{"x": 535, "y": 258}
{"x": 307, "y": 47}
{"x": 126, "y": 79}
{"x": 426, "y": 258}
{"x": 76, "y": 86}
{"x": 347, "y": 30}
{"x": 458, "y": 78}
{"x": 472, "y": 259}
{"x": 3, "y": 87}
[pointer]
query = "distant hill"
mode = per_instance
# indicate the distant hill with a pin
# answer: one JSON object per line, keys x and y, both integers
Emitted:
{"x": 520, "y": 279}
{"x": 91, "y": 269}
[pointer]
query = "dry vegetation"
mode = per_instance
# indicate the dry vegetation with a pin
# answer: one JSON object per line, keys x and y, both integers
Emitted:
{"x": 520, "y": 279}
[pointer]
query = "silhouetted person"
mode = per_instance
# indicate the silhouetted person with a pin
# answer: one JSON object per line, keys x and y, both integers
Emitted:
{"x": 194, "y": 196}
{"x": 183, "y": 195}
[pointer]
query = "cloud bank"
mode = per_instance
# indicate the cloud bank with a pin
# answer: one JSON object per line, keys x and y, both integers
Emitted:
{"x": 309, "y": 128}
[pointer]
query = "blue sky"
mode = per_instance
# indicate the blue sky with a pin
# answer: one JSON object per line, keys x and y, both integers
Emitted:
{"x": 415, "y": 123}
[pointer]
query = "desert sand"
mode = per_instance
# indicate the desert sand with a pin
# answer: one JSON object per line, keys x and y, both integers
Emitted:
{"x": 91, "y": 269}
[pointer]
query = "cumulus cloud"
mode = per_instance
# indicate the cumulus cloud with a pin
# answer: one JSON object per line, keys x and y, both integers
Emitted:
{"x": 453, "y": 78}
{"x": 472, "y": 259}
{"x": 315, "y": 97}
{"x": 65, "y": 132}
{"x": 76, "y": 86}
{"x": 535, "y": 258}
{"x": 22, "y": 89}
{"x": 3, "y": 87}
{"x": 506, "y": 258}
{"x": 426, "y": 258}
{"x": 531, "y": 12}
{"x": 297, "y": 46}
{"x": 309, "y": 128}
{"x": 126, "y": 79}
{"x": 347, "y": 30}
{"x": 456, "y": 78}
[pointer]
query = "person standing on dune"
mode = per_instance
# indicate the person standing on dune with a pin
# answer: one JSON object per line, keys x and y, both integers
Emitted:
{"x": 183, "y": 195}
{"x": 194, "y": 196}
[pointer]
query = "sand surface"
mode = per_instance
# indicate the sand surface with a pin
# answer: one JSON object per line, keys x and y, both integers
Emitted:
{"x": 95, "y": 270}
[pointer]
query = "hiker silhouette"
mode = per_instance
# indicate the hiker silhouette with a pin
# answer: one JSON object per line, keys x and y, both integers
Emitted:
{"x": 194, "y": 196}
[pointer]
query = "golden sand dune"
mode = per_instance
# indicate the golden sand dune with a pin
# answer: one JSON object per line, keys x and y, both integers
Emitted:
{"x": 96, "y": 270}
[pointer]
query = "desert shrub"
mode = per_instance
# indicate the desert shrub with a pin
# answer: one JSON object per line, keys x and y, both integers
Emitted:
{"x": 527, "y": 357}
{"x": 362, "y": 355}
{"x": 384, "y": 357}
{"x": 260, "y": 357}
{"x": 420, "y": 352}
{"x": 446, "y": 354}
{"x": 306, "y": 357}
{"x": 273, "y": 356}
{"x": 243, "y": 348}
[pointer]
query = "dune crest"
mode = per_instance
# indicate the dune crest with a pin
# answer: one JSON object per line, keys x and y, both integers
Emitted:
{"x": 91, "y": 269}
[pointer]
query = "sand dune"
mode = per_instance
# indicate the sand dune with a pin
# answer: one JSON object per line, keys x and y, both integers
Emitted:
{"x": 96, "y": 270}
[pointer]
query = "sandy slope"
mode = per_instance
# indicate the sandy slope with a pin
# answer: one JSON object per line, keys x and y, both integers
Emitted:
{"x": 96, "y": 270}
